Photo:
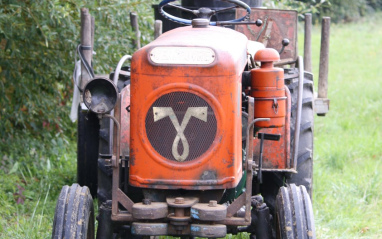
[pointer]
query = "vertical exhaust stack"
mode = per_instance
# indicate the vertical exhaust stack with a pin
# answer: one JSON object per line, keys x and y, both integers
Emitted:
{"x": 86, "y": 44}
{"x": 322, "y": 101}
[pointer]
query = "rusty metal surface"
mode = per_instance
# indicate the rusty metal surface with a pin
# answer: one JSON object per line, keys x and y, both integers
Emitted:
{"x": 122, "y": 216}
{"x": 154, "y": 210}
{"x": 176, "y": 230}
{"x": 267, "y": 55}
{"x": 182, "y": 202}
{"x": 124, "y": 200}
{"x": 290, "y": 170}
{"x": 236, "y": 221}
{"x": 125, "y": 120}
{"x": 149, "y": 229}
{"x": 208, "y": 212}
{"x": 209, "y": 231}
{"x": 277, "y": 25}
{"x": 276, "y": 154}
{"x": 219, "y": 167}
{"x": 236, "y": 205}
{"x": 287, "y": 126}
{"x": 118, "y": 197}
{"x": 267, "y": 87}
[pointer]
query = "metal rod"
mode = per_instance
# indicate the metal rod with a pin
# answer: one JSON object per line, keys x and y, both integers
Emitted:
{"x": 249, "y": 159}
{"x": 235, "y": 23}
{"x": 115, "y": 164}
{"x": 249, "y": 165}
{"x": 249, "y": 153}
{"x": 119, "y": 66}
{"x": 308, "y": 43}
{"x": 287, "y": 127}
{"x": 86, "y": 41}
{"x": 288, "y": 61}
{"x": 299, "y": 109}
{"x": 135, "y": 26}
{"x": 259, "y": 175}
{"x": 324, "y": 59}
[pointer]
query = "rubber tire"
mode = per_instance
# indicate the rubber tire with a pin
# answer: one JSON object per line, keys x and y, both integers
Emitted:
{"x": 74, "y": 214}
{"x": 294, "y": 213}
{"x": 305, "y": 148}
{"x": 87, "y": 150}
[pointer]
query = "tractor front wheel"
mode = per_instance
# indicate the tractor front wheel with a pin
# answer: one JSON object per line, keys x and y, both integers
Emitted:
{"x": 74, "y": 215}
{"x": 294, "y": 213}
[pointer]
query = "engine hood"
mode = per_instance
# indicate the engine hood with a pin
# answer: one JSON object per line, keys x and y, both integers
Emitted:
{"x": 228, "y": 47}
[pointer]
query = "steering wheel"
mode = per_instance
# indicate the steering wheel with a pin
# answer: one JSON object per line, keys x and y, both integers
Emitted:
{"x": 203, "y": 12}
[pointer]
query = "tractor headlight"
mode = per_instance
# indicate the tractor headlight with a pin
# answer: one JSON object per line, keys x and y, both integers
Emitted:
{"x": 100, "y": 95}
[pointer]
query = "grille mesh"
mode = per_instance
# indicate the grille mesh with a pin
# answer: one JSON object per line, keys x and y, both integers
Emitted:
{"x": 199, "y": 134}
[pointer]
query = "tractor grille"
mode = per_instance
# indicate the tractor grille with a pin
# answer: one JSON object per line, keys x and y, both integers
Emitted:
{"x": 181, "y": 126}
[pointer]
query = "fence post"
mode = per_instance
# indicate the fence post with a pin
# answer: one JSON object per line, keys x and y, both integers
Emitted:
{"x": 157, "y": 28}
{"x": 135, "y": 26}
{"x": 308, "y": 43}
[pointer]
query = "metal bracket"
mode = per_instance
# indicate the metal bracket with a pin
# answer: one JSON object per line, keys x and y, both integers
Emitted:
{"x": 119, "y": 197}
{"x": 321, "y": 106}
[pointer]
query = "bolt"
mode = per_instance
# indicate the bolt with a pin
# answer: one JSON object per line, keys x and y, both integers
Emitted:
{"x": 146, "y": 201}
{"x": 179, "y": 200}
{"x": 213, "y": 203}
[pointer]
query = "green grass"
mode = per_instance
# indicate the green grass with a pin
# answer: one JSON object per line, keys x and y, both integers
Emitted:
{"x": 347, "y": 197}
{"x": 348, "y": 141}
{"x": 29, "y": 190}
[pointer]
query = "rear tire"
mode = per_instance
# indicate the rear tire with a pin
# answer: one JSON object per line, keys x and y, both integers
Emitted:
{"x": 294, "y": 213}
{"x": 74, "y": 214}
{"x": 305, "y": 147}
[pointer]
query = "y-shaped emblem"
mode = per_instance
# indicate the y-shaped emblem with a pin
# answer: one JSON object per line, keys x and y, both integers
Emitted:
{"x": 163, "y": 112}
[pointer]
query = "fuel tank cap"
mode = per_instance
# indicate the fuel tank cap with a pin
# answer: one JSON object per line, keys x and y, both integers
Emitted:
{"x": 200, "y": 23}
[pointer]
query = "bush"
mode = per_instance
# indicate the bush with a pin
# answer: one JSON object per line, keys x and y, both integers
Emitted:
{"x": 37, "y": 50}
{"x": 307, "y": 6}
{"x": 346, "y": 11}
{"x": 339, "y": 11}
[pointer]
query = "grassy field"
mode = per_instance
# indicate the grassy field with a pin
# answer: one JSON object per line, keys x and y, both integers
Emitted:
{"x": 348, "y": 150}
{"x": 348, "y": 141}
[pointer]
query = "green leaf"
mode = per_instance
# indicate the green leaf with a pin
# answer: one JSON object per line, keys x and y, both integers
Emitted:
{"x": 14, "y": 168}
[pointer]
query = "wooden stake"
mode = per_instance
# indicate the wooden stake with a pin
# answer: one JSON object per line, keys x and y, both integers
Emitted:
{"x": 308, "y": 43}
{"x": 324, "y": 59}
{"x": 157, "y": 28}
{"x": 135, "y": 26}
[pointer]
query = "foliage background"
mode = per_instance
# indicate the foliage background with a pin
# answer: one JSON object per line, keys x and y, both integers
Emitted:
{"x": 37, "y": 53}
{"x": 338, "y": 10}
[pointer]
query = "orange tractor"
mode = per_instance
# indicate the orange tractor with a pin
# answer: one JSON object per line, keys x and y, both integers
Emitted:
{"x": 202, "y": 135}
